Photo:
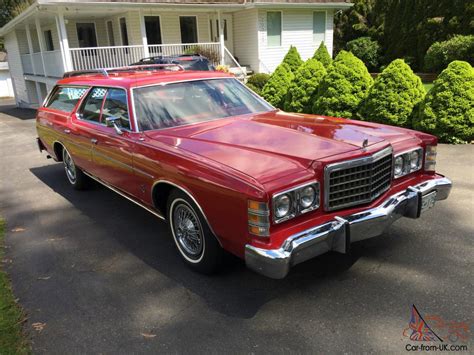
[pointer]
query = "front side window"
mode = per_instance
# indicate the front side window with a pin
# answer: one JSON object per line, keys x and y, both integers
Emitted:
{"x": 172, "y": 105}
{"x": 189, "y": 31}
{"x": 319, "y": 26}
{"x": 65, "y": 98}
{"x": 274, "y": 28}
{"x": 115, "y": 105}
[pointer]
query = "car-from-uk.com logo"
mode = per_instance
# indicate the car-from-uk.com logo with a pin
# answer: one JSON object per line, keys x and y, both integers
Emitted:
{"x": 433, "y": 333}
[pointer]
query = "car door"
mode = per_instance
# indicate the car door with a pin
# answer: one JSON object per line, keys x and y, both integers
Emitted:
{"x": 111, "y": 151}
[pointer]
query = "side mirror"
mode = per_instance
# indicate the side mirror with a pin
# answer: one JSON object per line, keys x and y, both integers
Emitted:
{"x": 112, "y": 122}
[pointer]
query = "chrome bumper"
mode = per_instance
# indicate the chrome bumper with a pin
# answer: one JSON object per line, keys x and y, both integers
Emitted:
{"x": 338, "y": 233}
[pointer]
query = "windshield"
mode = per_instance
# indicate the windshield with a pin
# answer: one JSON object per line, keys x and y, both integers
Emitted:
{"x": 177, "y": 104}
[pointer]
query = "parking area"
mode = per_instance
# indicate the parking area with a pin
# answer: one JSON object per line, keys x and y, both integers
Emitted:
{"x": 103, "y": 276}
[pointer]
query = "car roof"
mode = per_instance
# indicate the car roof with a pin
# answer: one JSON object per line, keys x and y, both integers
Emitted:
{"x": 131, "y": 79}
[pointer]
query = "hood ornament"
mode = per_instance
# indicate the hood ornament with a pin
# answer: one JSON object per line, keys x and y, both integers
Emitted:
{"x": 365, "y": 143}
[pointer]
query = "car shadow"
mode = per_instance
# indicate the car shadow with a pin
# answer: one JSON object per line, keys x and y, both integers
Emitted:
{"x": 235, "y": 291}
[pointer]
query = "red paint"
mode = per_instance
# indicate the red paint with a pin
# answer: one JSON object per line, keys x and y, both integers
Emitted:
{"x": 223, "y": 163}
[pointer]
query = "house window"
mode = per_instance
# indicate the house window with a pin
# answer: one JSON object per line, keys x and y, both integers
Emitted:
{"x": 319, "y": 26}
{"x": 153, "y": 29}
{"x": 212, "y": 32}
{"x": 86, "y": 34}
{"x": 274, "y": 28}
{"x": 189, "y": 31}
{"x": 110, "y": 33}
{"x": 48, "y": 39}
{"x": 124, "y": 31}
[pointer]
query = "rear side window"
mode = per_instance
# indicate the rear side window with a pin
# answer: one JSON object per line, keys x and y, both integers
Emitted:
{"x": 93, "y": 105}
{"x": 65, "y": 98}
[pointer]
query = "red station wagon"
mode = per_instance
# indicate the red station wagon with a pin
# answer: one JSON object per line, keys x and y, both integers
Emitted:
{"x": 228, "y": 171}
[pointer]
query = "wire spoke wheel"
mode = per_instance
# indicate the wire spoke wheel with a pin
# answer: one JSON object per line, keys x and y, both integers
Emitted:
{"x": 188, "y": 231}
{"x": 69, "y": 167}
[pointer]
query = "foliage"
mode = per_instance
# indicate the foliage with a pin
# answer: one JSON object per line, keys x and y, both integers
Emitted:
{"x": 252, "y": 87}
{"x": 223, "y": 68}
{"x": 303, "y": 89}
{"x": 293, "y": 59}
{"x": 343, "y": 88}
{"x": 448, "y": 108}
{"x": 11, "y": 337}
{"x": 440, "y": 54}
{"x": 321, "y": 54}
{"x": 211, "y": 54}
{"x": 258, "y": 80}
{"x": 276, "y": 88}
{"x": 12, "y": 8}
{"x": 392, "y": 98}
{"x": 367, "y": 50}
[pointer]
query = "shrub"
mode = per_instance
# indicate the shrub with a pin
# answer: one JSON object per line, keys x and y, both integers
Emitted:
{"x": 322, "y": 55}
{"x": 254, "y": 88}
{"x": 343, "y": 88}
{"x": 448, "y": 109}
{"x": 293, "y": 59}
{"x": 367, "y": 50}
{"x": 303, "y": 89}
{"x": 258, "y": 80}
{"x": 441, "y": 53}
{"x": 213, "y": 56}
{"x": 276, "y": 88}
{"x": 396, "y": 91}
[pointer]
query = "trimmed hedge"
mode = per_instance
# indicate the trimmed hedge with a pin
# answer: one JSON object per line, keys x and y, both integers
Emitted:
{"x": 343, "y": 88}
{"x": 396, "y": 91}
{"x": 367, "y": 50}
{"x": 321, "y": 54}
{"x": 257, "y": 81}
{"x": 276, "y": 88}
{"x": 293, "y": 59}
{"x": 304, "y": 87}
{"x": 448, "y": 108}
{"x": 440, "y": 54}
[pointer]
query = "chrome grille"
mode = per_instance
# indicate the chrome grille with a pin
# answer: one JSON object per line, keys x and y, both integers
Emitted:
{"x": 358, "y": 181}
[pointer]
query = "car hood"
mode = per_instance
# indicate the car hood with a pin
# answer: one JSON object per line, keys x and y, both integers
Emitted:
{"x": 273, "y": 144}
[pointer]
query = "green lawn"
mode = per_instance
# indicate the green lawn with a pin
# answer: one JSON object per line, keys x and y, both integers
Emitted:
{"x": 428, "y": 86}
{"x": 12, "y": 340}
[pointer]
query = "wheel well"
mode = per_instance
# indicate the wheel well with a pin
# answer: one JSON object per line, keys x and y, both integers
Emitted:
{"x": 160, "y": 194}
{"x": 58, "y": 151}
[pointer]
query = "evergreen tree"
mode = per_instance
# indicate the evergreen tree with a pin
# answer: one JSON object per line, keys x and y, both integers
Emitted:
{"x": 303, "y": 89}
{"x": 343, "y": 88}
{"x": 396, "y": 91}
{"x": 276, "y": 88}
{"x": 293, "y": 59}
{"x": 322, "y": 55}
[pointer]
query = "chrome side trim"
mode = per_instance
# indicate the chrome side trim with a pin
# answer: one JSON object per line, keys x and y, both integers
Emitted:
{"x": 186, "y": 191}
{"x": 337, "y": 233}
{"x": 124, "y": 195}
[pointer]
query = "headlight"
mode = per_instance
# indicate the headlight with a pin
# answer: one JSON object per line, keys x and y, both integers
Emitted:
{"x": 407, "y": 162}
{"x": 282, "y": 206}
{"x": 295, "y": 201}
{"x": 307, "y": 196}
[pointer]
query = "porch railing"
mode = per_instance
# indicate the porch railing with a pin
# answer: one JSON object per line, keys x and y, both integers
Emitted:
{"x": 33, "y": 63}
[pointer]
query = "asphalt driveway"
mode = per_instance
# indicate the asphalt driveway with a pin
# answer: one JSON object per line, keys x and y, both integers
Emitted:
{"x": 103, "y": 276}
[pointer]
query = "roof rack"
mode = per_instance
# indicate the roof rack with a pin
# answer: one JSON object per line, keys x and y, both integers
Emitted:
{"x": 130, "y": 68}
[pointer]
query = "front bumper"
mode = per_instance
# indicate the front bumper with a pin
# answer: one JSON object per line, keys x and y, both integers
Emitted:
{"x": 338, "y": 233}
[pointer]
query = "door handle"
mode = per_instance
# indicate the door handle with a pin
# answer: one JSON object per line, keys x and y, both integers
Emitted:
{"x": 67, "y": 131}
{"x": 94, "y": 141}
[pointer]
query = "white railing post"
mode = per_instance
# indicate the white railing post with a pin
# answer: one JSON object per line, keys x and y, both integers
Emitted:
{"x": 146, "y": 52}
{"x": 41, "y": 43}
{"x": 221, "y": 37}
{"x": 64, "y": 42}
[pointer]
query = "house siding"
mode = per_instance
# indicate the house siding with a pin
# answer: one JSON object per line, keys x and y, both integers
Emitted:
{"x": 12, "y": 42}
{"x": 297, "y": 30}
{"x": 245, "y": 38}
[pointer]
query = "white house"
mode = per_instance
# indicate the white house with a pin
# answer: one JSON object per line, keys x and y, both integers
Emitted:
{"x": 54, "y": 36}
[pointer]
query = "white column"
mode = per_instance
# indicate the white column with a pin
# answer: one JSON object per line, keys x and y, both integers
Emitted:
{"x": 64, "y": 42}
{"x": 221, "y": 36}
{"x": 28, "y": 39}
{"x": 146, "y": 52}
{"x": 41, "y": 43}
